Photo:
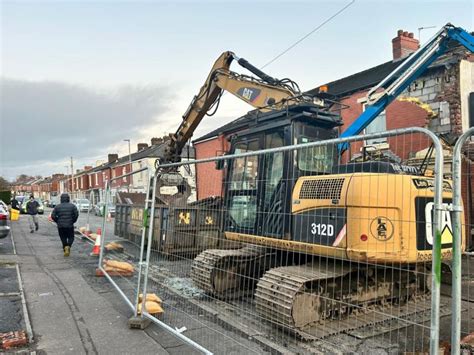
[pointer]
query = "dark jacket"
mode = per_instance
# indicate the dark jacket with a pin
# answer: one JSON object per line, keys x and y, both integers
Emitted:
{"x": 15, "y": 204}
{"x": 32, "y": 207}
{"x": 65, "y": 214}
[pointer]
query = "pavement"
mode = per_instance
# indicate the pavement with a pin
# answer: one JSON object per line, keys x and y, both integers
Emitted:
{"x": 64, "y": 308}
{"x": 66, "y": 312}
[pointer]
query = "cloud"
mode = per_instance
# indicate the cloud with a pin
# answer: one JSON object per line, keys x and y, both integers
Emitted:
{"x": 50, "y": 121}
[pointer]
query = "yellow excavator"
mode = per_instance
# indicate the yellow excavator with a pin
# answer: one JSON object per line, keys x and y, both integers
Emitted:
{"x": 322, "y": 240}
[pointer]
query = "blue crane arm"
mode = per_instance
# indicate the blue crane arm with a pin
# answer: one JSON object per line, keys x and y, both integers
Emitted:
{"x": 398, "y": 80}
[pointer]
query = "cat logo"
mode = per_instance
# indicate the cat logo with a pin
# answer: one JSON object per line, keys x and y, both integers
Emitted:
{"x": 184, "y": 218}
{"x": 209, "y": 220}
{"x": 381, "y": 228}
{"x": 446, "y": 225}
{"x": 247, "y": 93}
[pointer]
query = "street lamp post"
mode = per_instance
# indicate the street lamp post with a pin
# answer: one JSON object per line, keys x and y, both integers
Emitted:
{"x": 130, "y": 161}
{"x": 67, "y": 178}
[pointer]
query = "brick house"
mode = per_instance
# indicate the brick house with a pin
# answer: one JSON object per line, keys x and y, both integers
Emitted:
{"x": 90, "y": 182}
{"x": 439, "y": 100}
{"x": 81, "y": 182}
{"x": 94, "y": 179}
{"x": 147, "y": 157}
{"x": 45, "y": 186}
{"x": 55, "y": 190}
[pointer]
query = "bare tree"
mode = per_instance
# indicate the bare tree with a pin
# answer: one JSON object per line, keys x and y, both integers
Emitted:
{"x": 4, "y": 184}
{"x": 23, "y": 178}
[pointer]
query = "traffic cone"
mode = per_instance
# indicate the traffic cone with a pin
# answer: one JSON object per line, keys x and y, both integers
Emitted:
{"x": 96, "y": 247}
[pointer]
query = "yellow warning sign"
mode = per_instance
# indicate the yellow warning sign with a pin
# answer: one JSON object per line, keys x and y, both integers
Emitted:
{"x": 446, "y": 223}
{"x": 446, "y": 235}
{"x": 184, "y": 218}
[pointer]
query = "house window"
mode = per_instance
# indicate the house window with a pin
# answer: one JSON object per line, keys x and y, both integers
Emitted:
{"x": 124, "y": 171}
{"x": 379, "y": 124}
{"x": 140, "y": 166}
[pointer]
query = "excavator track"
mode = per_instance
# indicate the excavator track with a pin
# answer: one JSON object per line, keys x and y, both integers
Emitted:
{"x": 228, "y": 274}
{"x": 306, "y": 299}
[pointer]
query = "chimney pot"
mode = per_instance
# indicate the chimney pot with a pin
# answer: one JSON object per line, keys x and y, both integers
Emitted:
{"x": 155, "y": 141}
{"x": 400, "y": 33}
{"x": 411, "y": 35}
{"x": 141, "y": 146}
{"x": 112, "y": 158}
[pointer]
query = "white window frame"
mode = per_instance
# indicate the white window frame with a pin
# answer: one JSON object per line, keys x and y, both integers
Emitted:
{"x": 381, "y": 143}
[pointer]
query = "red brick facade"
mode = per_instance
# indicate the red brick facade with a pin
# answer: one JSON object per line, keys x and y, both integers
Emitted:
{"x": 208, "y": 178}
{"x": 399, "y": 114}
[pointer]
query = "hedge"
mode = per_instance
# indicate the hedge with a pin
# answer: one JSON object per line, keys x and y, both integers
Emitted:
{"x": 6, "y": 196}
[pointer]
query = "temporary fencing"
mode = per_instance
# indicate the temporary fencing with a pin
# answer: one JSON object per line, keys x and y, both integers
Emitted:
{"x": 123, "y": 260}
{"x": 303, "y": 252}
{"x": 124, "y": 276}
{"x": 301, "y": 249}
{"x": 462, "y": 268}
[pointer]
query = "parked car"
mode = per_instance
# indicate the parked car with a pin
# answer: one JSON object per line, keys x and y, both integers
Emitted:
{"x": 5, "y": 206}
{"x": 82, "y": 204}
{"x": 99, "y": 209}
{"x": 20, "y": 200}
{"x": 40, "y": 207}
{"x": 4, "y": 227}
{"x": 53, "y": 202}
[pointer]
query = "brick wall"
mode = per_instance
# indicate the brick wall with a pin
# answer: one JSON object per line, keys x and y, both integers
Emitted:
{"x": 208, "y": 178}
{"x": 436, "y": 106}
{"x": 440, "y": 89}
{"x": 399, "y": 114}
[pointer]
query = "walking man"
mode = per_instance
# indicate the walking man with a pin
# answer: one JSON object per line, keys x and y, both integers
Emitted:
{"x": 32, "y": 209}
{"x": 15, "y": 204}
{"x": 65, "y": 215}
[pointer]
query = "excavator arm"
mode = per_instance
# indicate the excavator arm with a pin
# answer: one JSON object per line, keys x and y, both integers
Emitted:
{"x": 264, "y": 93}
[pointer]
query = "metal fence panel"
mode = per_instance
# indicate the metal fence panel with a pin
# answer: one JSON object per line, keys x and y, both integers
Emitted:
{"x": 461, "y": 269}
{"x": 303, "y": 252}
{"x": 114, "y": 254}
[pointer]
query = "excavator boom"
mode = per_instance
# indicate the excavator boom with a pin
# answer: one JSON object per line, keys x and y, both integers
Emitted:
{"x": 264, "y": 93}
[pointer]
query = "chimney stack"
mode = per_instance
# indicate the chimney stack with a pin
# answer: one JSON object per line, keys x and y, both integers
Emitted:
{"x": 404, "y": 44}
{"x": 141, "y": 146}
{"x": 156, "y": 141}
{"x": 112, "y": 158}
{"x": 87, "y": 167}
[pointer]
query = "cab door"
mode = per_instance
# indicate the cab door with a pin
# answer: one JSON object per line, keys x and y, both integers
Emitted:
{"x": 241, "y": 188}
{"x": 256, "y": 190}
{"x": 273, "y": 202}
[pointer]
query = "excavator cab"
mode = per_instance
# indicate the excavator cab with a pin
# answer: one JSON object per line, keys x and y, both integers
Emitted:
{"x": 258, "y": 188}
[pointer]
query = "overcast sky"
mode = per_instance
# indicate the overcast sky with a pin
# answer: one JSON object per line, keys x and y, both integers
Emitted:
{"x": 79, "y": 77}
